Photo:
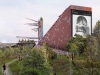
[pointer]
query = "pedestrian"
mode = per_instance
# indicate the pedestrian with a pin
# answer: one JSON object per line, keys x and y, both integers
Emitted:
{"x": 55, "y": 73}
{"x": 4, "y": 69}
{"x": 72, "y": 56}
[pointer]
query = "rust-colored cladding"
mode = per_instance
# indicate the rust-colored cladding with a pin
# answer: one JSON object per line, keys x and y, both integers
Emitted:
{"x": 80, "y": 8}
{"x": 61, "y": 31}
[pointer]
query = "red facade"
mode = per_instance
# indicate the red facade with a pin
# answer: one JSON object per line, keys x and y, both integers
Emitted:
{"x": 58, "y": 35}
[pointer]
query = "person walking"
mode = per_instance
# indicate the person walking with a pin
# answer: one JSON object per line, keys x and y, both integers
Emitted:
{"x": 4, "y": 69}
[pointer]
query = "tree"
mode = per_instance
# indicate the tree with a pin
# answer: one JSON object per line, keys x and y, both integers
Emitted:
{"x": 91, "y": 52}
{"x": 96, "y": 29}
{"x": 1, "y": 55}
{"x": 34, "y": 64}
{"x": 76, "y": 44}
{"x": 49, "y": 53}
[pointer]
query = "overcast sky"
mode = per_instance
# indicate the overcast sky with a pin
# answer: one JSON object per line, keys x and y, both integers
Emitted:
{"x": 13, "y": 14}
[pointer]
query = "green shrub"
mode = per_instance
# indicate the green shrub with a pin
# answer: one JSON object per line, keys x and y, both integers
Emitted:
{"x": 15, "y": 67}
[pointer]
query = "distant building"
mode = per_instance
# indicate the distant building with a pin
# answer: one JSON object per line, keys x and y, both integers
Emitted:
{"x": 5, "y": 45}
{"x": 26, "y": 43}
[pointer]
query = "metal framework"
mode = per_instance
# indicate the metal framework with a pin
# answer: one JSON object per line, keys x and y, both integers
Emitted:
{"x": 38, "y": 25}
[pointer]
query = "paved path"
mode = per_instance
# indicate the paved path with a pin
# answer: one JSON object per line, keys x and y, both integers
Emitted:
{"x": 7, "y": 64}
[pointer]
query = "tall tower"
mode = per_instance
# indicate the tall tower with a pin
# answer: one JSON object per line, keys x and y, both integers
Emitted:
{"x": 40, "y": 29}
{"x": 74, "y": 20}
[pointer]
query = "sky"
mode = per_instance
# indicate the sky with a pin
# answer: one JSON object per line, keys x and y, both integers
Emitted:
{"x": 13, "y": 14}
